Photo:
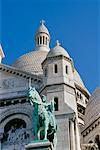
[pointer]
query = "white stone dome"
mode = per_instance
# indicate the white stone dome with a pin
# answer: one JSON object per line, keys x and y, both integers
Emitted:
{"x": 42, "y": 29}
{"x": 57, "y": 50}
{"x": 93, "y": 108}
{"x": 31, "y": 62}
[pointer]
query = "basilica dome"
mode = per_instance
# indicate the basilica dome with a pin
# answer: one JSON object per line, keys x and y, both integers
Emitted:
{"x": 31, "y": 62}
{"x": 93, "y": 108}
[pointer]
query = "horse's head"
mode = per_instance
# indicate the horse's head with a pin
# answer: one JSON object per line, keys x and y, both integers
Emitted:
{"x": 31, "y": 92}
{"x": 33, "y": 95}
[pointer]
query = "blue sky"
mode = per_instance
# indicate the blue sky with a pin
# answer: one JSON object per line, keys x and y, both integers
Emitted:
{"x": 75, "y": 23}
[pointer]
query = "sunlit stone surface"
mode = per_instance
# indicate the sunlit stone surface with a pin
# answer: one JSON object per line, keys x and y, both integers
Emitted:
{"x": 52, "y": 73}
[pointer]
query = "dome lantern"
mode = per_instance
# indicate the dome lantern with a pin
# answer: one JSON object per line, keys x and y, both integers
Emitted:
{"x": 42, "y": 37}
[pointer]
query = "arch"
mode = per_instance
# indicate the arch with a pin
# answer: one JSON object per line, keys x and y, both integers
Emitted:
{"x": 46, "y": 41}
{"x": 86, "y": 101}
{"x": 16, "y": 112}
{"x": 66, "y": 69}
{"x": 81, "y": 96}
{"x": 91, "y": 141}
{"x": 78, "y": 95}
{"x": 18, "y": 122}
{"x": 40, "y": 39}
{"x": 13, "y": 125}
{"x": 43, "y": 40}
{"x": 23, "y": 133}
{"x": 56, "y": 103}
{"x": 18, "y": 116}
{"x": 92, "y": 148}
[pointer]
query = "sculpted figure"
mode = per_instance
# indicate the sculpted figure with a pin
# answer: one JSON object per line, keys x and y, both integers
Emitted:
{"x": 44, "y": 125}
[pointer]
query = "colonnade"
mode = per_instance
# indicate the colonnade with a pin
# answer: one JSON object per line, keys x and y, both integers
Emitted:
{"x": 41, "y": 40}
{"x": 74, "y": 135}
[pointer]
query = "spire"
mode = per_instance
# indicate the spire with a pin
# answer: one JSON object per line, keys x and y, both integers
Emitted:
{"x": 42, "y": 37}
{"x": 1, "y": 53}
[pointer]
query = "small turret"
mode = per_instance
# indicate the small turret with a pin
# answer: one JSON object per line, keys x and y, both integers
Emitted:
{"x": 42, "y": 37}
{"x": 1, "y": 54}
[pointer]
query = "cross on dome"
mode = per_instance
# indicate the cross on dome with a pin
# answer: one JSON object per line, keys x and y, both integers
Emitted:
{"x": 42, "y": 22}
{"x": 57, "y": 43}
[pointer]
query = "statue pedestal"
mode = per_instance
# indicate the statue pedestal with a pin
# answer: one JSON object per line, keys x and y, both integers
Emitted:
{"x": 39, "y": 145}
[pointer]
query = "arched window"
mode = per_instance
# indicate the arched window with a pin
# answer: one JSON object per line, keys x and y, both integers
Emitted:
{"x": 56, "y": 103}
{"x": 40, "y": 40}
{"x": 14, "y": 131}
{"x": 55, "y": 68}
{"x": 66, "y": 68}
{"x": 90, "y": 141}
{"x": 81, "y": 97}
{"x": 77, "y": 94}
{"x": 86, "y": 101}
{"x": 46, "y": 40}
{"x": 43, "y": 39}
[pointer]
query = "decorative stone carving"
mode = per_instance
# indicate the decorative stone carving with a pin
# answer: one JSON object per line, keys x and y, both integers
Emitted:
{"x": 20, "y": 135}
{"x": 8, "y": 83}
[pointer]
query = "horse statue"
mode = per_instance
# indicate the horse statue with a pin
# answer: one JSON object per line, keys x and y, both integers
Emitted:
{"x": 44, "y": 124}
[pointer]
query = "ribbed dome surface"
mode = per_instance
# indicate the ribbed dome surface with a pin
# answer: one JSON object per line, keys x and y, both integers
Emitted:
{"x": 93, "y": 108}
{"x": 31, "y": 62}
{"x": 57, "y": 50}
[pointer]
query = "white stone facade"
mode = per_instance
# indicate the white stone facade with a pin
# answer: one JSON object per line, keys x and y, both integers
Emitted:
{"x": 53, "y": 74}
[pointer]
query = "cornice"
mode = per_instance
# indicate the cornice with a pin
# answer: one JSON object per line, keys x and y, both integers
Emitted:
{"x": 56, "y": 57}
{"x": 45, "y": 86}
{"x": 20, "y": 73}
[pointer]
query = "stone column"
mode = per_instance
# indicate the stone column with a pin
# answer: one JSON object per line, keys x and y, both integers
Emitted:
{"x": 45, "y": 40}
{"x": 72, "y": 135}
{"x": 77, "y": 135}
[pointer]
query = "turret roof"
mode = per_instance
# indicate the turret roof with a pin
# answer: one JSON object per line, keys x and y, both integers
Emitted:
{"x": 58, "y": 50}
{"x": 42, "y": 28}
